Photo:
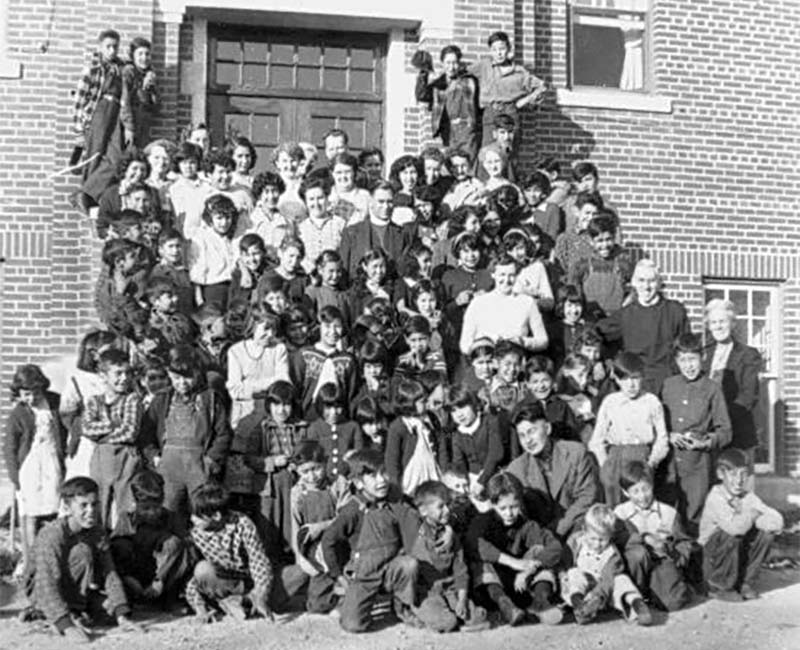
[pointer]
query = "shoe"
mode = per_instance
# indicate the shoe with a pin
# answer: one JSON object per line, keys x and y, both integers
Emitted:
{"x": 726, "y": 595}
{"x": 232, "y": 606}
{"x": 587, "y": 611}
{"x": 549, "y": 615}
{"x": 747, "y": 592}
{"x": 512, "y": 614}
{"x": 643, "y": 615}
{"x": 475, "y": 626}
{"x": 80, "y": 201}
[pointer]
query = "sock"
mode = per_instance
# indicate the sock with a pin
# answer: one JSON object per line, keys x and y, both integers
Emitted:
{"x": 495, "y": 592}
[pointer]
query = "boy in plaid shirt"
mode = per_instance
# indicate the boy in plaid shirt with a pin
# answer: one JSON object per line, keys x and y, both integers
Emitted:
{"x": 234, "y": 574}
{"x": 112, "y": 421}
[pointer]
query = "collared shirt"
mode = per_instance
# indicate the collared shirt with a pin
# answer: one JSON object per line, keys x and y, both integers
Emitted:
{"x": 625, "y": 421}
{"x": 91, "y": 86}
{"x": 736, "y": 515}
{"x": 272, "y": 228}
{"x": 503, "y": 83}
{"x": 320, "y": 235}
{"x": 696, "y": 407}
{"x": 657, "y": 520}
{"x": 235, "y": 550}
{"x": 116, "y": 423}
{"x": 188, "y": 198}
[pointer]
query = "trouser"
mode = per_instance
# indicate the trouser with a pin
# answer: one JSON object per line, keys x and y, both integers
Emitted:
{"x": 79, "y": 574}
{"x": 691, "y": 479}
{"x": 105, "y": 137}
{"x": 398, "y": 577}
{"x": 168, "y": 559}
{"x": 321, "y": 598}
{"x": 618, "y": 457}
{"x": 464, "y": 135}
{"x": 216, "y": 295}
{"x": 618, "y": 593}
{"x": 113, "y": 467}
{"x": 488, "y": 574}
{"x": 658, "y": 577}
{"x": 729, "y": 561}
{"x": 437, "y": 611}
{"x": 276, "y": 517}
{"x": 183, "y": 471}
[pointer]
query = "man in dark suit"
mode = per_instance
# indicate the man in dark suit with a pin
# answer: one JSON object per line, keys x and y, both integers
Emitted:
{"x": 377, "y": 231}
{"x": 559, "y": 476}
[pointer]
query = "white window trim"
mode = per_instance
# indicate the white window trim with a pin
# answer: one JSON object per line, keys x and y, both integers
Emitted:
{"x": 9, "y": 68}
{"x": 613, "y": 99}
{"x": 776, "y": 373}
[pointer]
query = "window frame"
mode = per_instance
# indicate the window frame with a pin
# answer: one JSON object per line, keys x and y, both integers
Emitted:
{"x": 573, "y": 8}
{"x": 769, "y": 377}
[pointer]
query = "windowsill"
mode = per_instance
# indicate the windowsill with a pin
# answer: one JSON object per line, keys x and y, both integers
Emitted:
{"x": 10, "y": 69}
{"x": 613, "y": 99}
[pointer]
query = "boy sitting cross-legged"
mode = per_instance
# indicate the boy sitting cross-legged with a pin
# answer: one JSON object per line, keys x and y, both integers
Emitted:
{"x": 443, "y": 579}
{"x": 657, "y": 550}
{"x": 736, "y": 530}
{"x": 597, "y": 578}
{"x": 363, "y": 547}
{"x": 513, "y": 558}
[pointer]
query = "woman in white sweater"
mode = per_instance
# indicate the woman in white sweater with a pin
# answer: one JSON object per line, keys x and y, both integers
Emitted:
{"x": 500, "y": 314}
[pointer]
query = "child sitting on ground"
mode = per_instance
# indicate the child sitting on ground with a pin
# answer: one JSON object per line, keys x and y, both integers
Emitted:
{"x": 234, "y": 574}
{"x": 362, "y": 547}
{"x": 657, "y": 550}
{"x": 443, "y": 578}
{"x": 513, "y": 558}
{"x": 313, "y": 510}
{"x": 72, "y": 557}
{"x": 736, "y": 530}
{"x": 597, "y": 578}
{"x": 150, "y": 556}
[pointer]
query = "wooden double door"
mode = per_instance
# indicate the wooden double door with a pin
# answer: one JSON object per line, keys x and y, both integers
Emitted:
{"x": 294, "y": 85}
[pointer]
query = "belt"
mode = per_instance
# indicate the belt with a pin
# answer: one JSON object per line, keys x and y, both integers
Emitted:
{"x": 499, "y": 104}
{"x": 111, "y": 98}
{"x": 461, "y": 120}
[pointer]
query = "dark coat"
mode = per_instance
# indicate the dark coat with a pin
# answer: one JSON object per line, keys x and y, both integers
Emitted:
{"x": 740, "y": 389}
{"x": 359, "y": 238}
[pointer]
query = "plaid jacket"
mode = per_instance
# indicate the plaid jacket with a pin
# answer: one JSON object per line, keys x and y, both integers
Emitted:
{"x": 95, "y": 81}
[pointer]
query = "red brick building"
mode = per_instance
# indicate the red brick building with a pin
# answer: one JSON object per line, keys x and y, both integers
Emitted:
{"x": 689, "y": 107}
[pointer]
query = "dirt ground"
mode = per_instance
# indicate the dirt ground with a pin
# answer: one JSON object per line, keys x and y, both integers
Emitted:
{"x": 771, "y": 622}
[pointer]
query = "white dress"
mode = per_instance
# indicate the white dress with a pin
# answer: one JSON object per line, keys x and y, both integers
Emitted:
{"x": 80, "y": 387}
{"x": 40, "y": 473}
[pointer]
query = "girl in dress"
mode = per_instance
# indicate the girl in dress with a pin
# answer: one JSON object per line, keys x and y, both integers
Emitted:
{"x": 34, "y": 454}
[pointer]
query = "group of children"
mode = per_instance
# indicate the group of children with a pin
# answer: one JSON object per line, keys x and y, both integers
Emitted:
{"x": 282, "y": 403}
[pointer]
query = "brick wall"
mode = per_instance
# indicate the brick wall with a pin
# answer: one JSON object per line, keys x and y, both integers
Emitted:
{"x": 716, "y": 179}
{"x": 47, "y": 277}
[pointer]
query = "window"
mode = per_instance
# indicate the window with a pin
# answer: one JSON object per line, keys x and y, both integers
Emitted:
{"x": 608, "y": 44}
{"x": 758, "y": 324}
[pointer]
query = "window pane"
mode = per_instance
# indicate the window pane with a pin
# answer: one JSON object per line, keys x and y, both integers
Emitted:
{"x": 761, "y": 303}
{"x": 739, "y": 300}
{"x": 361, "y": 81}
{"x": 254, "y": 75}
{"x": 712, "y": 294}
{"x": 228, "y": 74}
{"x": 335, "y": 56}
{"x": 308, "y": 78}
{"x": 256, "y": 52}
{"x": 236, "y": 125}
{"x": 335, "y": 79}
{"x": 308, "y": 55}
{"x": 281, "y": 53}
{"x": 608, "y": 50}
{"x": 362, "y": 58}
{"x": 229, "y": 50}
{"x": 281, "y": 76}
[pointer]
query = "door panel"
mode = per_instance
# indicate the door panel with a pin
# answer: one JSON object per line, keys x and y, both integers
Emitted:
{"x": 265, "y": 122}
{"x": 294, "y": 85}
{"x": 361, "y": 123}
